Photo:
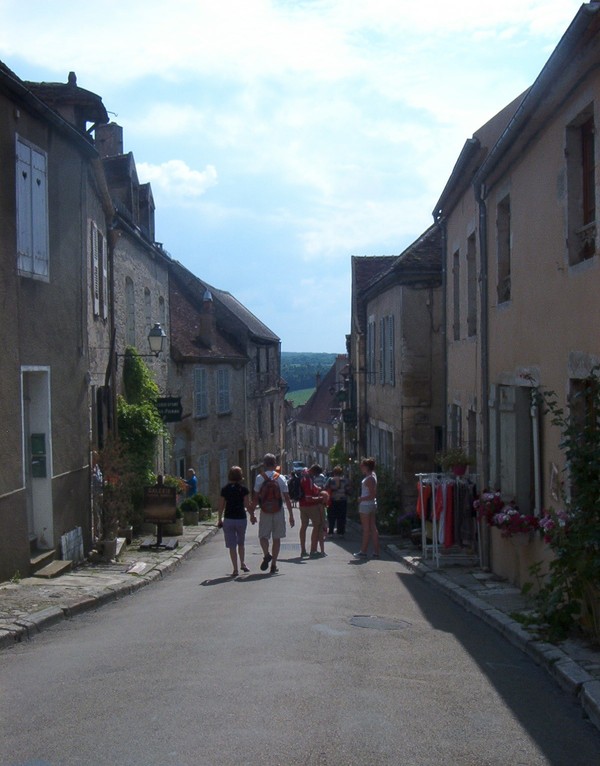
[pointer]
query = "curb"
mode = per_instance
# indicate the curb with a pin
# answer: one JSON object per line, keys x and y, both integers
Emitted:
{"x": 27, "y": 627}
{"x": 570, "y": 676}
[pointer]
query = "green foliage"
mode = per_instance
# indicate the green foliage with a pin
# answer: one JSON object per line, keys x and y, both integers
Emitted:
{"x": 188, "y": 505}
{"x": 571, "y": 592}
{"x": 337, "y": 456}
{"x": 299, "y": 398}
{"x": 139, "y": 427}
{"x": 299, "y": 369}
{"x": 114, "y": 502}
{"x": 451, "y": 457}
{"x": 139, "y": 385}
{"x": 388, "y": 502}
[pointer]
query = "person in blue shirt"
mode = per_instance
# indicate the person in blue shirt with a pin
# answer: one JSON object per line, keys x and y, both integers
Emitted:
{"x": 192, "y": 483}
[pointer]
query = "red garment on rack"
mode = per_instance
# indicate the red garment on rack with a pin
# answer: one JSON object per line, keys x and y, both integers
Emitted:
{"x": 444, "y": 496}
{"x": 425, "y": 492}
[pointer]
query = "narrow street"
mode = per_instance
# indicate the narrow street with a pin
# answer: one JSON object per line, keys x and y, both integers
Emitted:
{"x": 330, "y": 662}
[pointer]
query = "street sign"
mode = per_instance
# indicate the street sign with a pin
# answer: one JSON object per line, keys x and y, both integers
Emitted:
{"x": 169, "y": 408}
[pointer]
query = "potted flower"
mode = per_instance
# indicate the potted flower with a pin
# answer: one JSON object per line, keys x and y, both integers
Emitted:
{"x": 454, "y": 459}
{"x": 191, "y": 512}
{"x": 510, "y": 521}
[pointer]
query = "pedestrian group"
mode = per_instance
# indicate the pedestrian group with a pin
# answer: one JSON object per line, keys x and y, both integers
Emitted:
{"x": 322, "y": 501}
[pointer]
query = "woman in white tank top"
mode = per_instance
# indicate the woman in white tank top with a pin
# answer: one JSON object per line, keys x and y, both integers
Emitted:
{"x": 367, "y": 509}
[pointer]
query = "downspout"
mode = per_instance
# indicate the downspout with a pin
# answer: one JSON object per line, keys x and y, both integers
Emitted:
{"x": 485, "y": 352}
{"x": 441, "y": 222}
{"x": 535, "y": 425}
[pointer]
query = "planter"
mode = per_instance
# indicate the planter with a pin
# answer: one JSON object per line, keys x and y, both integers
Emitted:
{"x": 459, "y": 470}
{"x": 512, "y": 557}
{"x": 173, "y": 529}
{"x": 191, "y": 518}
{"x": 127, "y": 533}
{"x": 108, "y": 549}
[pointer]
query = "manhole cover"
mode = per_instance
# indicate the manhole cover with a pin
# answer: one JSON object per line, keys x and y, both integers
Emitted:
{"x": 378, "y": 623}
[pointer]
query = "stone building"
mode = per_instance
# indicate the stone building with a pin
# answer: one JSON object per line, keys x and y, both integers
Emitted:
{"x": 53, "y": 191}
{"x": 226, "y": 369}
{"x": 397, "y": 363}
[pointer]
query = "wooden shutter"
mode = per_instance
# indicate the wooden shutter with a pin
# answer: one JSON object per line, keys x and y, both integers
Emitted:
{"x": 24, "y": 237}
{"x": 95, "y": 268}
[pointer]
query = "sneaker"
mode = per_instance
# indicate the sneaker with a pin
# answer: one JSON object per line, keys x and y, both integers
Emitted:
{"x": 375, "y": 555}
{"x": 360, "y": 555}
{"x": 244, "y": 568}
{"x": 314, "y": 555}
{"x": 265, "y": 562}
{"x": 274, "y": 569}
{"x": 303, "y": 554}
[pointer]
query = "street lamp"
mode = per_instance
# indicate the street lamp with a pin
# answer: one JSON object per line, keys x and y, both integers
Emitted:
{"x": 156, "y": 339}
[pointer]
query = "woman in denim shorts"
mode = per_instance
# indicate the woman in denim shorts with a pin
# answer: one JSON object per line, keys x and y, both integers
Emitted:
{"x": 233, "y": 506}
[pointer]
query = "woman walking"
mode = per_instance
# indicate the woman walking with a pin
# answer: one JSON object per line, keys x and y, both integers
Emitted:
{"x": 367, "y": 509}
{"x": 233, "y": 506}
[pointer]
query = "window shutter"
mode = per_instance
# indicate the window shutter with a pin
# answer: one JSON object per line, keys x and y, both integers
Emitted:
{"x": 223, "y": 389}
{"x": 103, "y": 257}
{"x": 391, "y": 355}
{"x": 200, "y": 393}
{"x": 39, "y": 203}
{"x": 382, "y": 350}
{"x": 95, "y": 268}
{"x": 24, "y": 237}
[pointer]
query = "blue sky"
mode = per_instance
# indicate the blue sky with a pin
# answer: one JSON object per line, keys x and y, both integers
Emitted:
{"x": 281, "y": 137}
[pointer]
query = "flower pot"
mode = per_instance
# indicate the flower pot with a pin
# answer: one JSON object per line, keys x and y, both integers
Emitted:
{"x": 109, "y": 549}
{"x": 174, "y": 528}
{"x": 459, "y": 470}
{"x": 127, "y": 533}
{"x": 191, "y": 518}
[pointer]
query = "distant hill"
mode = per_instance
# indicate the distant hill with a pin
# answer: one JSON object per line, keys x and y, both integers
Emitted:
{"x": 299, "y": 368}
{"x": 299, "y": 398}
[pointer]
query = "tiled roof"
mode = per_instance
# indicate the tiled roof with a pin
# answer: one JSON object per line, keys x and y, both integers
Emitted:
{"x": 366, "y": 269}
{"x": 57, "y": 94}
{"x": 185, "y": 307}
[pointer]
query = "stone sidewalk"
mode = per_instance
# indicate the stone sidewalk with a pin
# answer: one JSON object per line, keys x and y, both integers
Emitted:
{"x": 33, "y": 604}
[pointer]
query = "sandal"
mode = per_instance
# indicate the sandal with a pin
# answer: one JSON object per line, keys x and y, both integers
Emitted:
{"x": 234, "y": 573}
{"x": 244, "y": 568}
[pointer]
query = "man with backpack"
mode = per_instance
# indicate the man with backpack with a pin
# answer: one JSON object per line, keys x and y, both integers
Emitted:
{"x": 270, "y": 493}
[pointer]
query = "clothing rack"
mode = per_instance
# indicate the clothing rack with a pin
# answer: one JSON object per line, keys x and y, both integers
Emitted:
{"x": 444, "y": 480}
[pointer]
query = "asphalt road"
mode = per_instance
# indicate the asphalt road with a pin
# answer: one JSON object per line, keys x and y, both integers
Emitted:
{"x": 331, "y": 662}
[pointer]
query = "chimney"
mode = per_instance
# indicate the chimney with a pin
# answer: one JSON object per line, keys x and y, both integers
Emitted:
{"x": 206, "y": 327}
{"x": 109, "y": 140}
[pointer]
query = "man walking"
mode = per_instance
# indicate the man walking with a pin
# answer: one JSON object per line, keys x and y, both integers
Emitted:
{"x": 270, "y": 493}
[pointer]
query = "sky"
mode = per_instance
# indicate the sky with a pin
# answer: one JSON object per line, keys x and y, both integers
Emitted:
{"x": 282, "y": 137}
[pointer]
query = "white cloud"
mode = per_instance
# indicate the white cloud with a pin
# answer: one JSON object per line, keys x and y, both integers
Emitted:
{"x": 174, "y": 181}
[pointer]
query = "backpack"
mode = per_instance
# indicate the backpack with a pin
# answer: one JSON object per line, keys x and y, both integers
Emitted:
{"x": 295, "y": 487}
{"x": 269, "y": 494}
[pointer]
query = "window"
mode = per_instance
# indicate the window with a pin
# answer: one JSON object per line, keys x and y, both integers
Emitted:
{"x": 200, "y": 392}
{"x": 382, "y": 350}
{"x": 581, "y": 187}
{"x": 503, "y": 246}
{"x": 99, "y": 265}
{"x": 272, "y": 417}
{"x": 471, "y": 287}
{"x": 456, "y": 294}
{"x": 371, "y": 350}
{"x": 223, "y": 467}
{"x": 148, "y": 308}
{"x": 129, "y": 312}
{"x": 223, "y": 390}
{"x": 259, "y": 422}
{"x": 391, "y": 362}
{"x": 162, "y": 313}
{"x": 32, "y": 211}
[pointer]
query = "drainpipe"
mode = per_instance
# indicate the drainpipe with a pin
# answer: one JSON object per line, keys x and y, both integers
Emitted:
{"x": 441, "y": 222}
{"x": 485, "y": 352}
{"x": 535, "y": 425}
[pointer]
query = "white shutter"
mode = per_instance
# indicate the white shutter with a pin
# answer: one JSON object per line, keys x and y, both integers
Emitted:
{"x": 391, "y": 354}
{"x": 200, "y": 393}
{"x": 24, "y": 238}
{"x": 39, "y": 204}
